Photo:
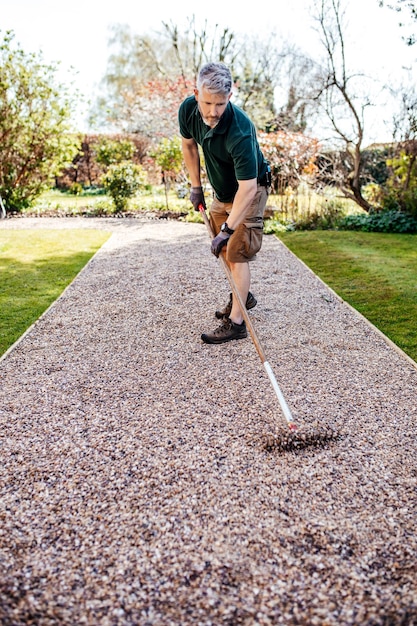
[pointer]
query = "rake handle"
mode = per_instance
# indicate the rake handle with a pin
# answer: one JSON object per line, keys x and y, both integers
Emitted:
{"x": 235, "y": 291}
{"x": 282, "y": 402}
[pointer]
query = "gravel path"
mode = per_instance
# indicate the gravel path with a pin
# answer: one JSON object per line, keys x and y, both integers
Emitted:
{"x": 135, "y": 486}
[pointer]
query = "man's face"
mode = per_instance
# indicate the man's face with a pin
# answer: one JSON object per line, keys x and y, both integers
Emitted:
{"x": 211, "y": 105}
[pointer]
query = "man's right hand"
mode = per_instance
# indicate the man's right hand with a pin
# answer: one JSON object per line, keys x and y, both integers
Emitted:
{"x": 197, "y": 197}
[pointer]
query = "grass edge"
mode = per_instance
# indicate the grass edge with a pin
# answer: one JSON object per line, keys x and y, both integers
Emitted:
{"x": 379, "y": 332}
{"x": 15, "y": 344}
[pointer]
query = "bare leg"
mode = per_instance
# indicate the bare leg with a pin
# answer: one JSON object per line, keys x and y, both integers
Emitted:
{"x": 241, "y": 276}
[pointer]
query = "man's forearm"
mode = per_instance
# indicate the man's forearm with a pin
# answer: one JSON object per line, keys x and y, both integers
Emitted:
{"x": 192, "y": 163}
{"x": 242, "y": 202}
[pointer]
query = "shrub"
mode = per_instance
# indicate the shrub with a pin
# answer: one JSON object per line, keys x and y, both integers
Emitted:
{"x": 193, "y": 217}
{"x": 373, "y": 193}
{"x": 326, "y": 217}
{"x": 273, "y": 226}
{"x": 98, "y": 209}
{"x": 122, "y": 181}
{"x": 35, "y": 113}
{"x": 401, "y": 200}
{"x": 76, "y": 189}
{"x": 387, "y": 221}
{"x": 400, "y": 191}
{"x": 110, "y": 151}
{"x": 168, "y": 156}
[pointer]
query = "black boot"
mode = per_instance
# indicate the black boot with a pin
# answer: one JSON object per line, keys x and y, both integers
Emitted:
{"x": 227, "y": 331}
{"x": 223, "y": 314}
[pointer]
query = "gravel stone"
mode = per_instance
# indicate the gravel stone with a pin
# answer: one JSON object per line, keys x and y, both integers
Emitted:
{"x": 136, "y": 486}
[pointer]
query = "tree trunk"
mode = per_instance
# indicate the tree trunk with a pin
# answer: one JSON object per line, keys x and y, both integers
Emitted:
{"x": 355, "y": 180}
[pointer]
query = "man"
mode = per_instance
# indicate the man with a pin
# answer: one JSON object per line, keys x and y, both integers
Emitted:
{"x": 239, "y": 176}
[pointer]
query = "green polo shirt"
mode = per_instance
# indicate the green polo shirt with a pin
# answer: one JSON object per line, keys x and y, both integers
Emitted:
{"x": 231, "y": 150}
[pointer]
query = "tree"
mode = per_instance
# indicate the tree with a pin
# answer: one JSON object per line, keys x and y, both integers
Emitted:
{"x": 400, "y": 190}
{"x": 199, "y": 45}
{"x": 110, "y": 151}
{"x": 292, "y": 156}
{"x": 147, "y": 77}
{"x": 256, "y": 71}
{"x": 168, "y": 156}
{"x": 35, "y": 142}
{"x": 407, "y": 6}
{"x": 97, "y": 153}
{"x": 337, "y": 92}
{"x": 405, "y": 118}
{"x": 291, "y": 116}
{"x": 149, "y": 108}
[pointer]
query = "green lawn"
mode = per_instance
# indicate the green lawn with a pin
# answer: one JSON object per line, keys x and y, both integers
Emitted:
{"x": 374, "y": 272}
{"x": 56, "y": 202}
{"x": 35, "y": 267}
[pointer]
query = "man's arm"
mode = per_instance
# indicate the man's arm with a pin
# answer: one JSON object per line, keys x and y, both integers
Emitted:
{"x": 244, "y": 196}
{"x": 192, "y": 160}
{"x": 243, "y": 199}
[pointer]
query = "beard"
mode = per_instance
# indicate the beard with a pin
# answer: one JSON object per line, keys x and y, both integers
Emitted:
{"x": 209, "y": 121}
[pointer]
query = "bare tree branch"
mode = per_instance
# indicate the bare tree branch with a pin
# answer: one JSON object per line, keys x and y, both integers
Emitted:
{"x": 334, "y": 93}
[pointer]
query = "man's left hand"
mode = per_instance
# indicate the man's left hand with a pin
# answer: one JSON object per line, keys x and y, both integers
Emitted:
{"x": 218, "y": 243}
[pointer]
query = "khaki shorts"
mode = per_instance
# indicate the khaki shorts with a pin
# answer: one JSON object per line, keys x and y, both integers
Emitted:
{"x": 246, "y": 241}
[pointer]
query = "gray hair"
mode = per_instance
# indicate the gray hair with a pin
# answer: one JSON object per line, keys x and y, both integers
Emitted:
{"x": 215, "y": 77}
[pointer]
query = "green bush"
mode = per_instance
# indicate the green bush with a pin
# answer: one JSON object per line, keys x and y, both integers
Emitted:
{"x": 400, "y": 191}
{"x": 386, "y": 221}
{"x": 35, "y": 113}
{"x": 273, "y": 226}
{"x": 326, "y": 217}
{"x": 122, "y": 181}
{"x": 111, "y": 151}
{"x": 98, "y": 209}
{"x": 93, "y": 191}
{"x": 401, "y": 200}
{"x": 194, "y": 217}
{"x": 76, "y": 189}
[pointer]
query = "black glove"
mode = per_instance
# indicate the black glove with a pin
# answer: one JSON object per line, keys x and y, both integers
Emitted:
{"x": 197, "y": 197}
{"x": 218, "y": 243}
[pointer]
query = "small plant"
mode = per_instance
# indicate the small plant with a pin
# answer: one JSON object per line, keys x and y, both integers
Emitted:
{"x": 168, "y": 156}
{"x": 327, "y": 217}
{"x": 122, "y": 181}
{"x": 273, "y": 226}
{"x": 193, "y": 217}
{"x": 99, "y": 209}
{"x": 76, "y": 189}
{"x": 391, "y": 221}
{"x": 373, "y": 193}
{"x": 93, "y": 191}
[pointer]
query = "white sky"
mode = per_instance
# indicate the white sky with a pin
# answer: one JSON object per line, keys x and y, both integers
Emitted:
{"x": 76, "y": 33}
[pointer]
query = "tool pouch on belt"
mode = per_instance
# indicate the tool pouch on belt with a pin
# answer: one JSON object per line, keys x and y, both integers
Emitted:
{"x": 266, "y": 179}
